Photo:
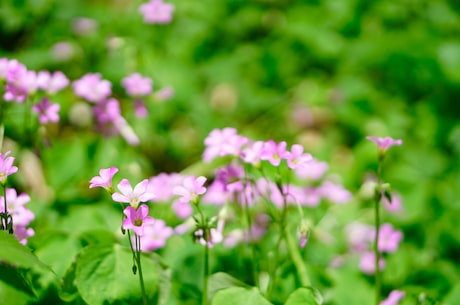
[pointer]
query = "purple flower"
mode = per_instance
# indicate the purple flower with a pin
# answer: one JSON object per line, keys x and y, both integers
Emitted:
{"x": 139, "y": 109}
{"x": 296, "y": 158}
{"x": 92, "y": 88}
{"x": 384, "y": 143}
{"x": 52, "y": 83}
{"x": 137, "y": 220}
{"x": 22, "y": 233}
{"x": 156, "y": 11}
{"x": 389, "y": 238}
{"x": 394, "y": 298}
{"x": 104, "y": 179}
{"x": 6, "y": 167}
{"x": 155, "y": 235}
{"x": 274, "y": 152}
{"x": 136, "y": 85}
{"x": 162, "y": 185}
{"x": 47, "y": 112}
{"x": 190, "y": 189}
{"x": 133, "y": 197}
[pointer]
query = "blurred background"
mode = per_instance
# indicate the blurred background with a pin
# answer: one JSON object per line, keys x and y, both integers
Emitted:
{"x": 324, "y": 74}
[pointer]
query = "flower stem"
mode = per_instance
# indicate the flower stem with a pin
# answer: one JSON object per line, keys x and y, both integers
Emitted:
{"x": 247, "y": 213}
{"x": 298, "y": 261}
{"x": 204, "y": 300}
{"x": 139, "y": 266}
{"x": 378, "y": 198}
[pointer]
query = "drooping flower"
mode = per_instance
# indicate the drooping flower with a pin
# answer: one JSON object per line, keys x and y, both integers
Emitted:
{"x": 47, "y": 112}
{"x": 190, "y": 189}
{"x": 157, "y": 11}
{"x": 395, "y": 206}
{"x": 104, "y": 179}
{"x": 6, "y": 167}
{"x": 92, "y": 87}
{"x": 133, "y": 197}
{"x": 155, "y": 235}
{"x": 384, "y": 143}
{"x": 394, "y": 298}
{"x": 137, "y": 219}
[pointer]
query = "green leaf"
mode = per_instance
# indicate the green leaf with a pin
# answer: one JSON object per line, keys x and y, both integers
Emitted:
{"x": 18, "y": 266}
{"x": 222, "y": 280}
{"x": 16, "y": 254}
{"x": 305, "y": 296}
{"x": 104, "y": 276}
{"x": 239, "y": 295}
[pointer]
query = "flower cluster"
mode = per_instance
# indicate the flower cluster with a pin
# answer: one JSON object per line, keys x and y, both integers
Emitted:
{"x": 21, "y": 83}
{"x": 151, "y": 232}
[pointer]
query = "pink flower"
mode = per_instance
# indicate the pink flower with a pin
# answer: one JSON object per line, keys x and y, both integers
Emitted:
{"x": 251, "y": 154}
{"x": 155, "y": 235}
{"x": 6, "y": 167}
{"x": 395, "y": 205}
{"x": 165, "y": 94}
{"x": 182, "y": 209}
{"x": 20, "y": 214}
{"x": 314, "y": 171}
{"x": 367, "y": 263}
{"x": 190, "y": 189}
{"x": 163, "y": 184}
{"x": 384, "y": 143}
{"x": 137, "y": 220}
{"x": 156, "y": 11}
{"x": 47, "y": 112}
{"x": 133, "y": 197}
{"x": 136, "y": 85}
{"x": 274, "y": 152}
{"x": 225, "y": 142}
{"x": 297, "y": 158}
{"x": 52, "y": 83}
{"x": 335, "y": 193}
{"x": 92, "y": 88}
{"x": 389, "y": 238}
{"x": 394, "y": 298}
{"x": 104, "y": 179}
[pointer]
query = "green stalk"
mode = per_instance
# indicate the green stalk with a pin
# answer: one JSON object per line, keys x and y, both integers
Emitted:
{"x": 247, "y": 214}
{"x": 139, "y": 266}
{"x": 298, "y": 261}
{"x": 378, "y": 198}
{"x": 205, "y": 275}
{"x": 204, "y": 226}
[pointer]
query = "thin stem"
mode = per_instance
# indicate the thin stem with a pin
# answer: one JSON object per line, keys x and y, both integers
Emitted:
{"x": 377, "y": 253}
{"x": 204, "y": 300}
{"x": 249, "y": 228}
{"x": 377, "y": 233}
{"x": 139, "y": 266}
